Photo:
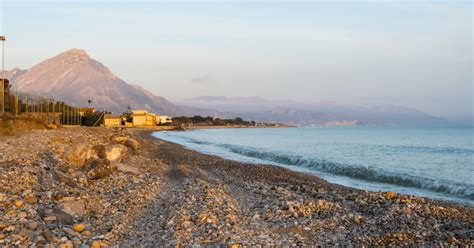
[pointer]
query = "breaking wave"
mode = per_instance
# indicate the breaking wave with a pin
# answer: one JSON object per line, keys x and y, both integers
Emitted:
{"x": 366, "y": 173}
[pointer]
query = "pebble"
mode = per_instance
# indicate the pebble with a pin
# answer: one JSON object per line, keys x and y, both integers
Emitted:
{"x": 18, "y": 203}
{"x": 79, "y": 227}
{"x": 32, "y": 225}
{"x": 171, "y": 195}
{"x": 50, "y": 218}
{"x": 22, "y": 215}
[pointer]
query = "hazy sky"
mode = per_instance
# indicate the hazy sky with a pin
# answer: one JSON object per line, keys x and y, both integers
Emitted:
{"x": 417, "y": 54}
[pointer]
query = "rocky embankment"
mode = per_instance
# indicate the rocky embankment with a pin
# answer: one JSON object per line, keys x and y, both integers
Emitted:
{"x": 101, "y": 187}
{"x": 72, "y": 187}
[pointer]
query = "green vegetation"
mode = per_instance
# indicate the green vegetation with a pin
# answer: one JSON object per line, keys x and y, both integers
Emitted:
{"x": 210, "y": 121}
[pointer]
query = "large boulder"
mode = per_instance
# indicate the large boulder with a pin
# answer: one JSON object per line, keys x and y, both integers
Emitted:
{"x": 55, "y": 214}
{"x": 117, "y": 153}
{"x": 119, "y": 139}
{"x": 78, "y": 154}
{"x": 129, "y": 142}
{"x": 100, "y": 150}
{"x": 99, "y": 169}
{"x": 73, "y": 208}
{"x": 133, "y": 144}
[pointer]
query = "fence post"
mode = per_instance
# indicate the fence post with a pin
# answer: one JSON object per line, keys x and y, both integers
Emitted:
{"x": 62, "y": 114}
{"x": 26, "y": 109}
{"x": 16, "y": 100}
{"x": 69, "y": 115}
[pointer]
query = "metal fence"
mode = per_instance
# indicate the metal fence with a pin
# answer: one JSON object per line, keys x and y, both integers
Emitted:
{"x": 23, "y": 103}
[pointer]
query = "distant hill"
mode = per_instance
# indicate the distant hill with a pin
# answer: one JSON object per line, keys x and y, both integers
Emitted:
{"x": 309, "y": 113}
{"x": 253, "y": 99}
{"x": 75, "y": 77}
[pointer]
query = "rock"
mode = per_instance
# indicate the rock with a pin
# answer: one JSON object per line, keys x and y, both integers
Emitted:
{"x": 390, "y": 194}
{"x": 202, "y": 217}
{"x": 86, "y": 233}
{"x": 22, "y": 215}
{"x": 357, "y": 219}
{"x": 119, "y": 139}
{"x": 95, "y": 244}
{"x": 50, "y": 218}
{"x": 51, "y": 126}
{"x": 27, "y": 234}
{"x": 68, "y": 244}
{"x": 33, "y": 225}
{"x": 31, "y": 199}
{"x": 127, "y": 168}
{"x": 132, "y": 143}
{"x": 100, "y": 150}
{"x": 78, "y": 154}
{"x": 58, "y": 214}
{"x": 452, "y": 239}
{"x": 79, "y": 227}
{"x": 73, "y": 208}
{"x": 117, "y": 153}
{"x": 18, "y": 203}
{"x": 100, "y": 169}
{"x": 48, "y": 235}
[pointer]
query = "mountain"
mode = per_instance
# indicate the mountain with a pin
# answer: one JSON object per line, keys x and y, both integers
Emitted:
{"x": 75, "y": 77}
{"x": 228, "y": 99}
{"x": 13, "y": 74}
{"x": 297, "y": 112}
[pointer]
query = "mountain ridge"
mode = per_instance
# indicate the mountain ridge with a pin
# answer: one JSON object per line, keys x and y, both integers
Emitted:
{"x": 75, "y": 77}
{"x": 294, "y": 112}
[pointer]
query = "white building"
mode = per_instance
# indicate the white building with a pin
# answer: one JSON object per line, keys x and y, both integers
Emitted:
{"x": 163, "y": 119}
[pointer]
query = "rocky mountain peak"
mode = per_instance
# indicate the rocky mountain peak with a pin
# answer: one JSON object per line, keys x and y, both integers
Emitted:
{"x": 76, "y": 52}
{"x": 75, "y": 77}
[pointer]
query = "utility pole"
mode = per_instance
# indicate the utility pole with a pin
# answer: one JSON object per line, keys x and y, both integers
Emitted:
{"x": 2, "y": 38}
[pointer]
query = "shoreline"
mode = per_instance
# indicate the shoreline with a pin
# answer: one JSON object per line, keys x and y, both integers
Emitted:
{"x": 374, "y": 186}
{"x": 238, "y": 126}
{"x": 146, "y": 191}
{"x": 306, "y": 184}
{"x": 307, "y": 173}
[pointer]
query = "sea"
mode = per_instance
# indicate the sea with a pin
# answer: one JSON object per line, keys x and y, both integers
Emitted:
{"x": 434, "y": 162}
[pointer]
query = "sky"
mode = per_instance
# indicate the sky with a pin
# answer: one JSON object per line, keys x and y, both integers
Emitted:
{"x": 411, "y": 53}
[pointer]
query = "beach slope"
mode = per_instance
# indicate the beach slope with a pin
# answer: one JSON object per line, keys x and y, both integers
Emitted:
{"x": 97, "y": 186}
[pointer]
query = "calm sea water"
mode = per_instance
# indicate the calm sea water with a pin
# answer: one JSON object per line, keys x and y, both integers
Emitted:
{"x": 436, "y": 162}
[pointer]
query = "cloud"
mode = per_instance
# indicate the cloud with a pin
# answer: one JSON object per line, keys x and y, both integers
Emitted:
{"x": 204, "y": 79}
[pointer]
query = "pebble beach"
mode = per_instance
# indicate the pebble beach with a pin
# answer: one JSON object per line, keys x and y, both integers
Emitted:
{"x": 103, "y": 187}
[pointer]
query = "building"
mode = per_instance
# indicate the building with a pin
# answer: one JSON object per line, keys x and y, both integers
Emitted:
{"x": 163, "y": 119}
{"x": 143, "y": 118}
{"x": 112, "y": 120}
{"x": 83, "y": 111}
